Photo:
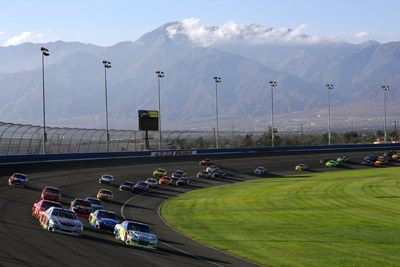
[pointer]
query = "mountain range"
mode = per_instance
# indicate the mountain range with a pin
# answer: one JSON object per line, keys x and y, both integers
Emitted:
{"x": 74, "y": 82}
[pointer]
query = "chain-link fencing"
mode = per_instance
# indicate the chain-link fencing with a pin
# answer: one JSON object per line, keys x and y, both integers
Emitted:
{"x": 18, "y": 139}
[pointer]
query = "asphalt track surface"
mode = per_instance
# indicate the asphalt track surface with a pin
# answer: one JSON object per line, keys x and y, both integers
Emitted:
{"x": 24, "y": 243}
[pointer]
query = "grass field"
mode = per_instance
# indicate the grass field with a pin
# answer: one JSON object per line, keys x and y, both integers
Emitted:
{"x": 344, "y": 218}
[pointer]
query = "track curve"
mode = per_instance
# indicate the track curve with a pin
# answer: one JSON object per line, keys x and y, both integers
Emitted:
{"x": 24, "y": 243}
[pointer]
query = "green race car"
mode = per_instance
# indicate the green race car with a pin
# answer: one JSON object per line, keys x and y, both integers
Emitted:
{"x": 332, "y": 163}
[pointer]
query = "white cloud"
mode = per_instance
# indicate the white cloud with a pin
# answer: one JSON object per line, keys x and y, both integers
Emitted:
{"x": 234, "y": 32}
{"x": 361, "y": 34}
{"x": 2, "y": 32}
{"x": 34, "y": 37}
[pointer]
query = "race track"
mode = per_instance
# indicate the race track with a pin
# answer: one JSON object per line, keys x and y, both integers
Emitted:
{"x": 24, "y": 243}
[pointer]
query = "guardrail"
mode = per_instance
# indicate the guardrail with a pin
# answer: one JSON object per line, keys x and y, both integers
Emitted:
{"x": 15, "y": 159}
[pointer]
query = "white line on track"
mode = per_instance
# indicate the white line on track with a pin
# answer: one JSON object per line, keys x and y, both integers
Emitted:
{"x": 126, "y": 202}
{"x": 173, "y": 247}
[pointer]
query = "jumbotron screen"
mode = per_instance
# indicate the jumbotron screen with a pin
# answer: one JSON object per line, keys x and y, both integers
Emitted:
{"x": 148, "y": 120}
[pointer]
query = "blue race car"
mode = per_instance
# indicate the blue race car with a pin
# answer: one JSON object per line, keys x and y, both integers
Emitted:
{"x": 103, "y": 220}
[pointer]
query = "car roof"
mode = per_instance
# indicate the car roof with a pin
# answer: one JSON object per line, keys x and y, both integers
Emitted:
{"x": 135, "y": 222}
{"x": 105, "y": 190}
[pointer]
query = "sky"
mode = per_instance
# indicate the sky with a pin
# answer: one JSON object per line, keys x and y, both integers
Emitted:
{"x": 108, "y": 22}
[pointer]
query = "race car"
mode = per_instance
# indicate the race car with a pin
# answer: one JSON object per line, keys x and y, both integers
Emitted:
{"x": 369, "y": 160}
{"x": 208, "y": 175}
{"x": 103, "y": 220}
{"x": 301, "y": 167}
{"x": 343, "y": 159}
{"x": 332, "y": 163}
{"x": 126, "y": 186}
{"x": 18, "y": 179}
{"x": 153, "y": 183}
{"x": 51, "y": 193}
{"x": 212, "y": 168}
{"x": 379, "y": 163}
{"x": 178, "y": 174}
{"x": 384, "y": 159}
{"x": 206, "y": 162}
{"x": 61, "y": 220}
{"x": 81, "y": 207}
{"x": 105, "y": 195}
{"x": 159, "y": 172}
{"x": 135, "y": 234}
{"x": 140, "y": 186}
{"x": 106, "y": 179}
{"x": 165, "y": 180}
{"x": 95, "y": 202}
{"x": 260, "y": 171}
{"x": 43, "y": 205}
{"x": 178, "y": 181}
{"x": 324, "y": 161}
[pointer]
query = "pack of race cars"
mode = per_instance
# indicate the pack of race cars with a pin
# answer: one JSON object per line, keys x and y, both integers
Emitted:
{"x": 53, "y": 217}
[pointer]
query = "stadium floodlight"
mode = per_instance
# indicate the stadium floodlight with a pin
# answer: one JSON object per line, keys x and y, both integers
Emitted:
{"x": 217, "y": 80}
{"x": 272, "y": 84}
{"x": 107, "y": 65}
{"x": 330, "y": 87}
{"x": 385, "y": 89}
{"x": 160, "y": 74}
{"x": 45, "y": 53}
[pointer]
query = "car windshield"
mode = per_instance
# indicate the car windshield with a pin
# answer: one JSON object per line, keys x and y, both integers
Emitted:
{"x": 52, "y": 190}
{"x": 64, "y": 214}
{"x": 20, "y": 176}
{"x": 83, "y": 203}
{"x": 127, "y": 183}
{"x": 160, "y": 170}
{"x": 138, "y": 227}
{"x": 108, "y": 215}
{"x": 142, "y": 184}
{"x": 94, "y": 201}
{"x": 105, "y": 192}
{"x": 107, "y": 176}
{"x": 48, "y": 204}
{"x": 150, "y": 180}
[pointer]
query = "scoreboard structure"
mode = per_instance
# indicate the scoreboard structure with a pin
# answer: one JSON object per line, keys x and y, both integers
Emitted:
{"x": 148, "y": 120}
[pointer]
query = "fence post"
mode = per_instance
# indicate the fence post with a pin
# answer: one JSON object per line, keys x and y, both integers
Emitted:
{"x": 80, "y": 140}
{"x": 12, "y": 135}
{"x": 70, "y": 140}
{"x": 98, "y": 146}
{"x": 22, "y": 137}
{"x": 90, "y": 139}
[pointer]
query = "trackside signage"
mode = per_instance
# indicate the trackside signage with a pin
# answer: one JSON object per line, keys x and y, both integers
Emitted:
{"x": 173, "y": 153}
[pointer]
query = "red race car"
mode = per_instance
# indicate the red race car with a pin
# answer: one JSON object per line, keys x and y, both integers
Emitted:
{"x": 206, "y": 162}
{"x": 43, "y": 205}
{"x": 51, "y": 193}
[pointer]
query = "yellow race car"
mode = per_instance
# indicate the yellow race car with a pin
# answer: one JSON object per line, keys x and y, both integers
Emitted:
{"x": 105, "y": 195}
{"x": 301, "y": 167}
{"x": 159, "y": 172}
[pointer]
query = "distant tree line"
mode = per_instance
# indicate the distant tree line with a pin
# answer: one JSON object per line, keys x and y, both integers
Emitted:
{"x": 299, "y": 139}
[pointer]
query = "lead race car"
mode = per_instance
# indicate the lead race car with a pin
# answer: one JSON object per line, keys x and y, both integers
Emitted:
{"x": 18, "y": 179}
{"x": 61, "y": 221}
{"x": 135, "y": 234}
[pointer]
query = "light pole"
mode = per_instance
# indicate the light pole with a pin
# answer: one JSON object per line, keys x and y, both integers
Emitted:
{"x": 330, "y": 87}
{"x": 160, "y": 74}
{"x": 385, "y": 89}
{"x": 217, "y": 80}
{"x": 45, "y": 53}
{"x": 107, "y": 65}
{"x": 273, "y": 84}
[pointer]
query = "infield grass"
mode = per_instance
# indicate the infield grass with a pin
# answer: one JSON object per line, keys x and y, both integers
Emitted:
{"x": 343, "y": 218}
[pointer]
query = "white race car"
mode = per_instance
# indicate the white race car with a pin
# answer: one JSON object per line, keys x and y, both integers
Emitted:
{"x": 106, "y": 179}
{"x": 260, "y": 170}
{"x": 135, "y": 234}
{"x": 152, "y": 182}
{"x": 61, "y": 220}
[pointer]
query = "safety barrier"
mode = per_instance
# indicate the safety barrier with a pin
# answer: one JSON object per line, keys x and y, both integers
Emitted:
{"x": 181, "y": 153}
